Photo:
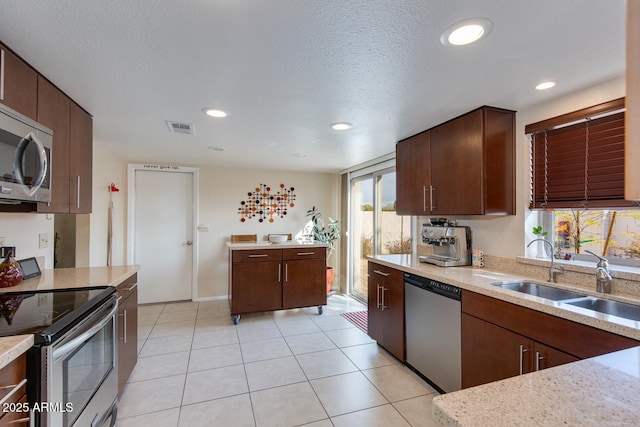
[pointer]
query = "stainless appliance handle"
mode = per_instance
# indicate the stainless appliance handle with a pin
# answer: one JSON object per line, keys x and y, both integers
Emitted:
{"x": 16, "y": 387}
{"x": 17, "y": 162}
{"x": 77, "y": 342}
{"x": 522, "y": 352}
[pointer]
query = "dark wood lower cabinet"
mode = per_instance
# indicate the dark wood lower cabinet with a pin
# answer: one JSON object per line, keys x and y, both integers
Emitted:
{"x": 304, "y": 283}
{"x": 385, "y": 322}
{"x": 502, "y": 340}
{"x": 127, "y": 329}
{"x": 256, "y": 287}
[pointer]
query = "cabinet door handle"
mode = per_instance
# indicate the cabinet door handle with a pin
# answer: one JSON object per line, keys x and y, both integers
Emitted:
{"x": 424, "y": 198}
{"x": 383, "y": 306}
{"x": 1, "y": 74}
{"x": 382, "y": 273}
{"x": 124, "y": 326}
{"x": 522, "y": 352}
{"x": 258, "y": 255}
{"x": 432, "y": 190}
{"x": 286, "y": 273}
{"x": 305, "y": 253}
{"x": 539, "y": 357}
{"x": 78, "y": 194}
{"x": 279, "y": 272}
{"x": 378, "y": 297}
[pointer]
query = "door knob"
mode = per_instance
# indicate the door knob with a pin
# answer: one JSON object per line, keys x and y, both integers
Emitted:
{"x": 189, "y": 243}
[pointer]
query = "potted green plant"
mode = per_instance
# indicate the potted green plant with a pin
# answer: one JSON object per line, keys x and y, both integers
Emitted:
{"x": 328, "y": 234}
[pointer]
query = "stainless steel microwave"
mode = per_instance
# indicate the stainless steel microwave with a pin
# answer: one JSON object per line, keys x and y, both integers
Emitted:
{"x": 25, "y": 159}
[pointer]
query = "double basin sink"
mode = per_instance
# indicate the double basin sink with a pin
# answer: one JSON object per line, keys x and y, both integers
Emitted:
{"x": 613, "y": 308}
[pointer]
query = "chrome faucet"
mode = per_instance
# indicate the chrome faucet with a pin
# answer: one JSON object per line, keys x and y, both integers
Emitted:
{"x": 552, "y": 270}
{"x": 603, "y": 278}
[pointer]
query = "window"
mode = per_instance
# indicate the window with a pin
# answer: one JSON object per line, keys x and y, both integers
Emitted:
{"x": 577, "y": 183}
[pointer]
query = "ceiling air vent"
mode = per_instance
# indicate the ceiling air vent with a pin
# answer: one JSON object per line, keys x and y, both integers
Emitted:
{"x": 183, "y": 128}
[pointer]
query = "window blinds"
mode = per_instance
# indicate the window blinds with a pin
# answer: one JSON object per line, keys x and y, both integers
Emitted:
{"x": 577, "y": 160}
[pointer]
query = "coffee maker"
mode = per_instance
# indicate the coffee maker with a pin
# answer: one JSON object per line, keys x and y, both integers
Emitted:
{"x": 451, "y": 243}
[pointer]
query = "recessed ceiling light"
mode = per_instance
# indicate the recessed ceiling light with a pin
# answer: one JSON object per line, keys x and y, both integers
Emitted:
{"x": 341, "y": 126}
{"x": 215, "y": 113}
{"x": 215, "y": 148}
{"x": 466, "y": 32}
{"x": 546, "y": 85}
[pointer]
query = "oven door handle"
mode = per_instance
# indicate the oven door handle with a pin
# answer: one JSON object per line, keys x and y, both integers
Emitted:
{"x": 77, "y": 342}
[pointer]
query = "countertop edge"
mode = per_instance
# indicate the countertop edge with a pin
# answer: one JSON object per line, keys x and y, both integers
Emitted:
{"x": 12, "y": 347}
{"x": 480, "y": 281}
{"x": 244, "y": 246}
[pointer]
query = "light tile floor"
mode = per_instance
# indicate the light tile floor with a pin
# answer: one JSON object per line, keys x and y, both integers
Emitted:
{"x": 284, "y": 368}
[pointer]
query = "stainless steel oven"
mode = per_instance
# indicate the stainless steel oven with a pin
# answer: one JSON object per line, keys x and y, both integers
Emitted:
{"x": 72, "y": 377}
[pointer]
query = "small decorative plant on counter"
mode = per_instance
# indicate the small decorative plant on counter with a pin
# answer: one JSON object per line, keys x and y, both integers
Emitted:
{"x": 538, "y": 231}
{"x": 325, "y": 234}
{"x": 540, "y": 234}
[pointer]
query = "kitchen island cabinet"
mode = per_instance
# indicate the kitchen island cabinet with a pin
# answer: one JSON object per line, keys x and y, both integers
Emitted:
{"x": 385, "y": 314}
{"x": 501, "y": 340}
{"x": 127, "y": 329}
{"x": 266, "y": 277}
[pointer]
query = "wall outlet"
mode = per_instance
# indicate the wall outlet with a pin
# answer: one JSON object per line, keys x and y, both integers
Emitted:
{"x": 203, "y": 227}
{"x": 44, "y": 240}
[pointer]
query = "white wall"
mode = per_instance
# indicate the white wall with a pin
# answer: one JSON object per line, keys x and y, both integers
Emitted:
{"x": 221, "y": 191}
{"x": 505, "y": 236}
{"x": 23, "y": 231}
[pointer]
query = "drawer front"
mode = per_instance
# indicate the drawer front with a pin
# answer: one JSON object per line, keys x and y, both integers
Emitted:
{"x": 258, "y": 255}
{"x": 387, "y": 274}
{"x": 304, "y": 253}
{"x": 127, "y": 286}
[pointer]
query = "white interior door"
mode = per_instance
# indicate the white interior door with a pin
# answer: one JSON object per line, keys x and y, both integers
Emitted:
{"x": 163, "y": 236}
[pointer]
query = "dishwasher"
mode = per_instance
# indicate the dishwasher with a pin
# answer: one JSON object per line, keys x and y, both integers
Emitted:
{"x": 433, "y": 331}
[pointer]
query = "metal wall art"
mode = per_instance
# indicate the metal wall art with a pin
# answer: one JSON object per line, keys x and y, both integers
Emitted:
{"x": 267, "y": 204}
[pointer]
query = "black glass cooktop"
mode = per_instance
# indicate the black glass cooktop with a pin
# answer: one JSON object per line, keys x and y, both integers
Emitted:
{"x": 44, "y": 313}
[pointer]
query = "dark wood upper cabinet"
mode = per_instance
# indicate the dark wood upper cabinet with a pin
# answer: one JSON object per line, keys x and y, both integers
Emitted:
{"x": 412, "y": 178}
{"x": 465, "y": 166}
{"x": 54, "y": 113}
{"x": 19, "y": 84}
{"x": 80, "y": 160}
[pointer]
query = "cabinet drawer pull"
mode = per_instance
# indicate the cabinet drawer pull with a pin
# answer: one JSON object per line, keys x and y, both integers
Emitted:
{"x": 258, "y": 255}
{"x": 382, "y": 273}
{"x": 522, "y": 352}
{"x": 13, "y": 391}
{"x": 306, "y": 253}
{"x": 135, "y": 285}
{"x": 20, "y": 421}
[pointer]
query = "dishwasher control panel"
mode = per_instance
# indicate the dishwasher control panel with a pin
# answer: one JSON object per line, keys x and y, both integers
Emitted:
{"x": 434, "y": 286}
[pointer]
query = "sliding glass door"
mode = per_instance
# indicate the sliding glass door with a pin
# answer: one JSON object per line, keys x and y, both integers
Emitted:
{"x": 375, "y": 227}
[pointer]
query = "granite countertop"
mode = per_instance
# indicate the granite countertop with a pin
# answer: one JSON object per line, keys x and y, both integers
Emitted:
{"x": 601, "y": 391}
{"x": 269, "y": 245}
{"x": 65, "y": 278}
{"x": 480, "y": 280}
{"x": 12, "y": 347}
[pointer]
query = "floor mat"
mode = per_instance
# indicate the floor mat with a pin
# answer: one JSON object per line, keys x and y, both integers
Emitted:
{"x": 358, "y": 318}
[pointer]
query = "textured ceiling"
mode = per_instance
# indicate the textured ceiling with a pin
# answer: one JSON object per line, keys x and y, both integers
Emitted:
{"x": 287, "y": 69}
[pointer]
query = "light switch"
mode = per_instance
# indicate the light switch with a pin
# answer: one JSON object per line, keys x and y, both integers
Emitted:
{"x": 44, "y": 240}
{"x": 203, "y": 227}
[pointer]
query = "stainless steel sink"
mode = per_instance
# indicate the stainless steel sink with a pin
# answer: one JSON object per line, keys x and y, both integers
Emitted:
{"x": 614, "y": 308}
{"x": 539, "y": 290}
